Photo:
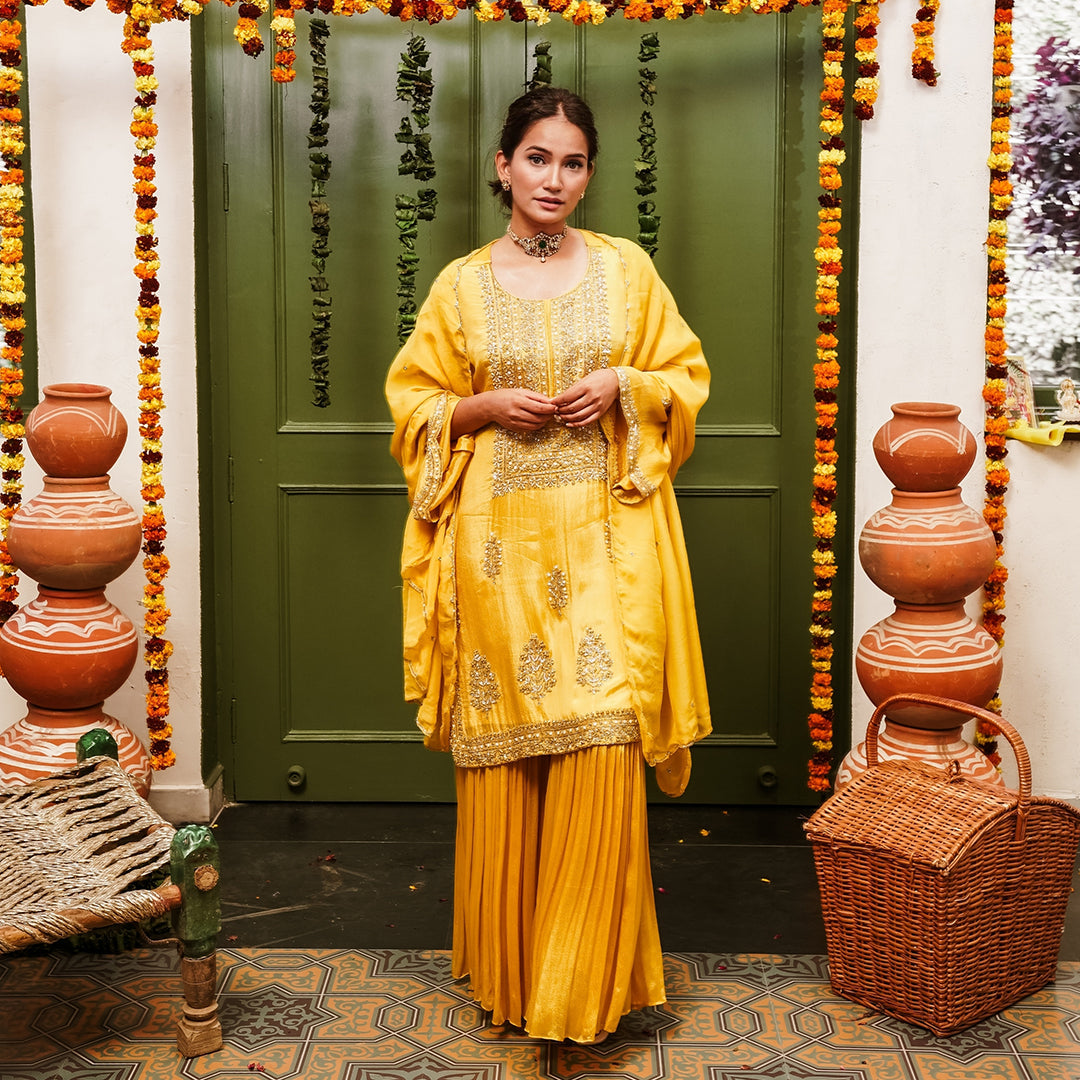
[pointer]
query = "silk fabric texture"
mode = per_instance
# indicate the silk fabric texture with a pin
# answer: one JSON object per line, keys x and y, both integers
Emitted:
{"x": 505, "y": 529}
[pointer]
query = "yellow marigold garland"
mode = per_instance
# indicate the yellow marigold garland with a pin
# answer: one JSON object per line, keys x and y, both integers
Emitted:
{"x": 828, "y": 255}
{"x": 995, "y": 419}
{"x": 156, "y": 648}
{"x": 922, "y": 55}
{"x": 12, "y": 295}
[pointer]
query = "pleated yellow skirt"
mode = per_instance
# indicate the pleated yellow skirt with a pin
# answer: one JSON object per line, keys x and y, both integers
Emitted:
{"x": 554, "y": 914}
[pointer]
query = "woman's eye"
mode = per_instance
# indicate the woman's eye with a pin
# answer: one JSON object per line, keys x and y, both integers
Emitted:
{"x": 536, "y": 159}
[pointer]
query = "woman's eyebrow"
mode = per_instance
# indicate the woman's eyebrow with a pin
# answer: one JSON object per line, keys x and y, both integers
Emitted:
{"x": 545, "y": 150}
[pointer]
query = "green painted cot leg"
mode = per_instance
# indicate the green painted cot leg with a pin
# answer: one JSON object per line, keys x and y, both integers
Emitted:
{"x": 195, "y": 867}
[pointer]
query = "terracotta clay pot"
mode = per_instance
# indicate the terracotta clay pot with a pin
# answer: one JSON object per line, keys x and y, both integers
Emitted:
{"x": 924, "y": 447}
{"x": 928, "y": 649}
{"x": 938, "y": 748}
{"x": 43, "y": 742}
{"x": 67, "y": 649}
{"x": 76, "y": 534}
{"x": 76, "y": 430}
{"x": 927, "y": 547}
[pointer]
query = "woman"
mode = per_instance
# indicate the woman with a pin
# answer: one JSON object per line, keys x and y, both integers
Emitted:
{"x": 542, "y": 405}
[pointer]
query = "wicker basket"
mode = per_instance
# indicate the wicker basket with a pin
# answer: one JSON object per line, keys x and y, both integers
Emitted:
{"x": 944, "y": 898}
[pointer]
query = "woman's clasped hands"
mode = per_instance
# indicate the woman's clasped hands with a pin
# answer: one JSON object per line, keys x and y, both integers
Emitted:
{"x": 517, "y": 409}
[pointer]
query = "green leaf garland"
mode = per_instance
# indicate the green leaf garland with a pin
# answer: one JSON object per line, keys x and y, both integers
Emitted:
{"x": 319, "y": 162}
{"x": 414, "y": 84}
{"x": 541, "y": 75}
{"x": 645, "y": 166}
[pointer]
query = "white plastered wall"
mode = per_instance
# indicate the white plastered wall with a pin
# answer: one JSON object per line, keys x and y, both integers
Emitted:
{"x": 921, "y": 275}
{"x": 82, "y": 91}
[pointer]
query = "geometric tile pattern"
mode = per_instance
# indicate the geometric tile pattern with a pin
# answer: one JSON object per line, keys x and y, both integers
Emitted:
{"x": 399, "y": 1015}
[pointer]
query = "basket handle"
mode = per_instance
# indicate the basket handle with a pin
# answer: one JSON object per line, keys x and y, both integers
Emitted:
{"x": 1023, "y": 761}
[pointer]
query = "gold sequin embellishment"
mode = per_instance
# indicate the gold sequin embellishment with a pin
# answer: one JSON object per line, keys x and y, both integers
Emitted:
{"x": 594, "y": 663}
{"x": 558, "y": 589}
{"x": 492, "y": 556}
{"x": 556, "y": 737}
{"x": 483, "y": 686}
{"x": 547, "y": 346}
{"x": 536, "y": 669}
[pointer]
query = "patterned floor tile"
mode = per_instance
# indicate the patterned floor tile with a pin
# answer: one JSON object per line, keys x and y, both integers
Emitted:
{"x": 397, "y": 1015}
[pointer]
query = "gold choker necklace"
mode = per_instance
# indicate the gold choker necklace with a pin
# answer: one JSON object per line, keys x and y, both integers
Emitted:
{"x": 539, "y": 246}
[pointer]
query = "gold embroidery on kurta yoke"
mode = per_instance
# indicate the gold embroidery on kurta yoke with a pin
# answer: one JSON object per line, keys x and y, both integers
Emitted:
{"x": 547, "y": 346}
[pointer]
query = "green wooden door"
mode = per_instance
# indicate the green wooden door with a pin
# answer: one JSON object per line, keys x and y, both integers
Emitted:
{"x": 308, "y": 525}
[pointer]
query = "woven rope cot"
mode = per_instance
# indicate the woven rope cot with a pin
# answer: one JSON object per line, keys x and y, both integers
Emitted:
{"x": 73, "y": 844}
{"x": 70, "y": 845}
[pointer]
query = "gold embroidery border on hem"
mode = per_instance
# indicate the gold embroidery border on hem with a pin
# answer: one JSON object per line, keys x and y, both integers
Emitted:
{"x": 554, "y": 737}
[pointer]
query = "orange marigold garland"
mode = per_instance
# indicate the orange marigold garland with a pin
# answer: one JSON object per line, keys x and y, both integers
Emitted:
{"x": 826, "y": 379}
{"x": 156, "y": 648}
{"x": 864, "y": 96}
{"x": 12, "y": 296}
{"x": 995, "y": 419}
{"x": 922, "y": 56}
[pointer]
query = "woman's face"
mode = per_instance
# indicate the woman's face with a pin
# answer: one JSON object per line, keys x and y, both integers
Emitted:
{"x": 548, "y": 174}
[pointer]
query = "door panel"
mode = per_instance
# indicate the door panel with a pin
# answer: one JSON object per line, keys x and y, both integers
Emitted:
{"x": 306, "y": 555}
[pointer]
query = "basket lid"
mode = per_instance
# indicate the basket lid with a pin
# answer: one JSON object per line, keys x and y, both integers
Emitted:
{"x": 925, "y": 814}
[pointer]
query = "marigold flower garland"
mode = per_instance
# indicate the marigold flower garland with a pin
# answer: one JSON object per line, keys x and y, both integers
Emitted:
{"x": 414, "y": 84}
{"x": 828, "y": 255}
{"x": 156, "y": 648}
{"x": 12, "y": 295}
{"x": 579, "y": 12}
{"x": 319, "y": 164}
{"x": 646, "y": 165}
{"x": 864, "y": 96}
{"x": 922, "y": 55}
{"x": 995, "y": 419}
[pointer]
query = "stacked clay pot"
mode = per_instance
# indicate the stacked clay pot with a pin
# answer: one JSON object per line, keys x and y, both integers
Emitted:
{"x": 928, "y": 551}
{"x": 69, "y": 648}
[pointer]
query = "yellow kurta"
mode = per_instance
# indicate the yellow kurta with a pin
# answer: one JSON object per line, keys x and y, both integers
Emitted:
{"x": 547, "y": 600}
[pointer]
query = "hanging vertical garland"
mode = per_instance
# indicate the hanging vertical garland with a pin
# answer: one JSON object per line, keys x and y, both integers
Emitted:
{"x": 541, "y": 75}
{"x": 922, "y": 55}
{"x": 995, "y": 421}
{"x": 645, "y": 166}
{"x": 247, "y": 31}
{"x": 156, "y": 648}
{"x": 414, "y": 84}
{"x": 867, "y": 84}
{"x": 283, "y": 26}
{"x": 319, "y": 164}
{"x": 12, "y": 294}
{"x": 826, "y": 380}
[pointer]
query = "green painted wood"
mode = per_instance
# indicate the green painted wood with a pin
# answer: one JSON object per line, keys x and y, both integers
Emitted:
{"x": 309, "y": 506}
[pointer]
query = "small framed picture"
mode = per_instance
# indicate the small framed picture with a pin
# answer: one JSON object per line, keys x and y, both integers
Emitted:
{"x": 1019, "y": 395}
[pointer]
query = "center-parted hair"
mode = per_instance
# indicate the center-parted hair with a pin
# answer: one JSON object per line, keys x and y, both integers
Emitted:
{"x": 541, "y": 104}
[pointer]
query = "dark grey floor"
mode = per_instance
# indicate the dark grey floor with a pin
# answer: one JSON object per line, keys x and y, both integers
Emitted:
{"x": 373, "y": 876}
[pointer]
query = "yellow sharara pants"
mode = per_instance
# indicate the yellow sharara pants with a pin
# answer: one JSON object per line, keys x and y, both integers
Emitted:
{"x": 554, "y": 915}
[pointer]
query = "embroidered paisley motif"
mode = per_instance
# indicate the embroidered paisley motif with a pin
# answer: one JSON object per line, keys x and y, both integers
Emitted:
{"x": 483, "y": 685}
{"x": 558, "y": 589}
{"x": 492, "y": 556}
{"x": 594, "y": 663}
{"x": 536, "y": 669}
